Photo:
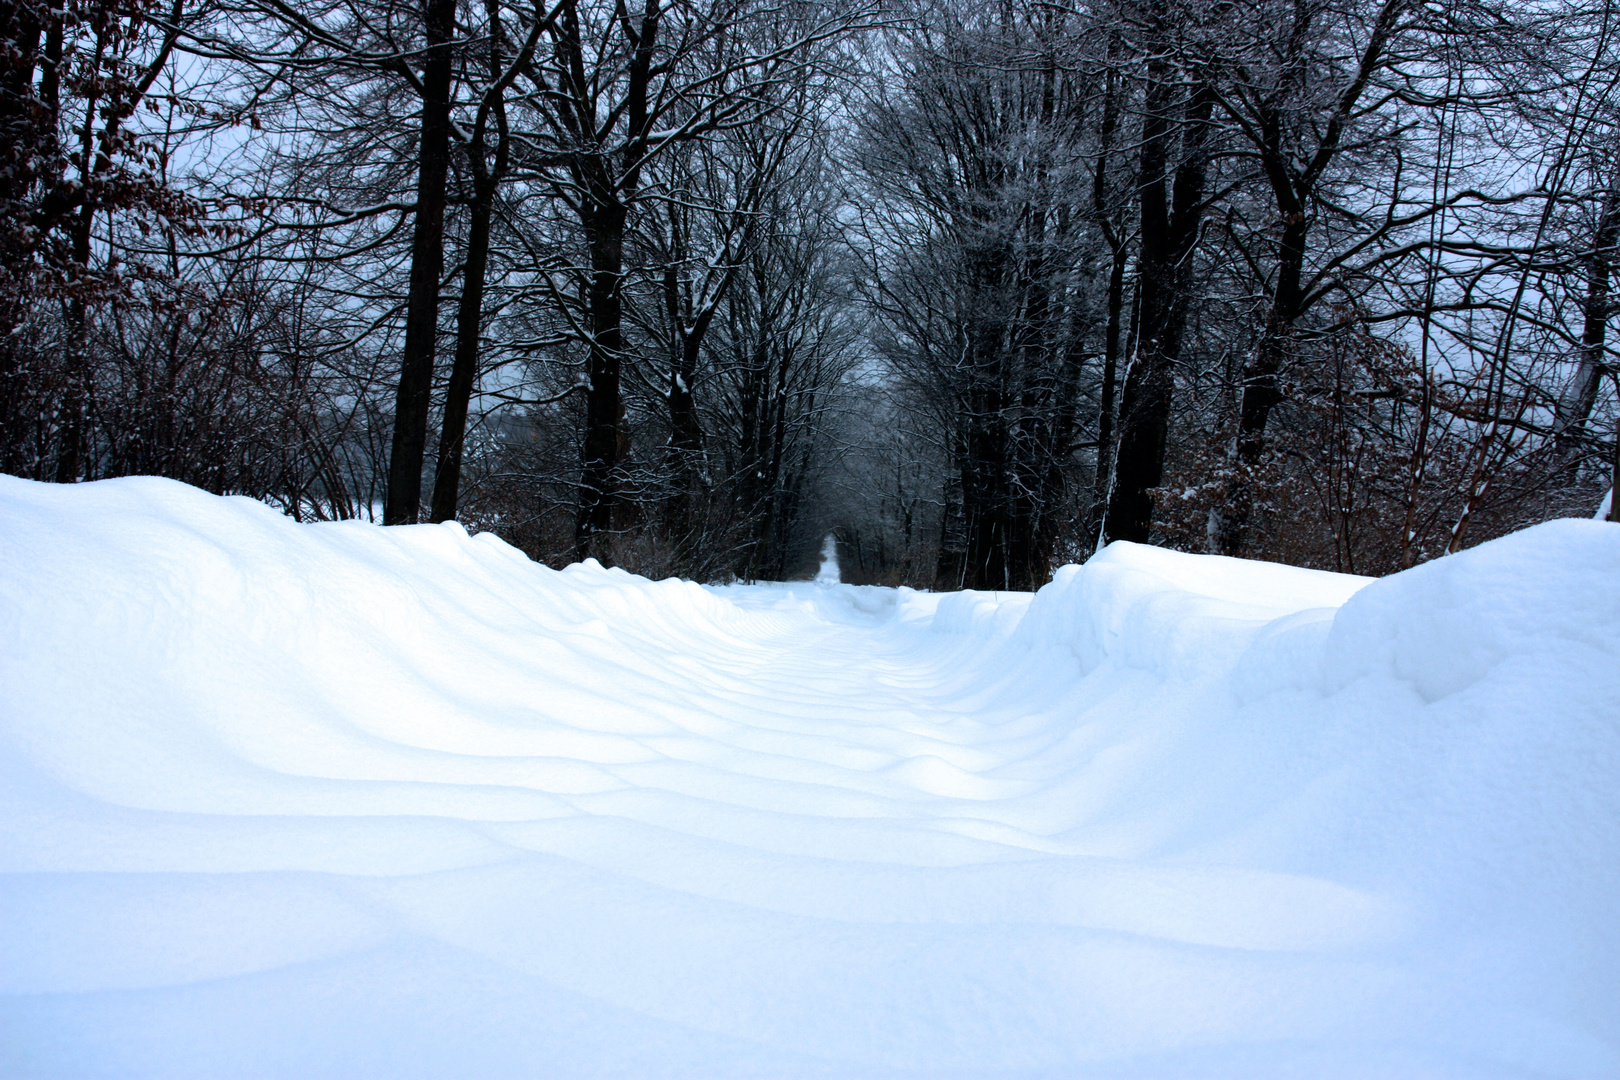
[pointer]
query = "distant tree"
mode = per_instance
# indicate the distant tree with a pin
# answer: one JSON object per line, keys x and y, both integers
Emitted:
{"x": 614, "y": 92}
{"x": 971, "y": 155}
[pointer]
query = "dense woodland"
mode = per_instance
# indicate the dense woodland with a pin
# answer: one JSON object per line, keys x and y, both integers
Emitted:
{"x": 684, "y": 285}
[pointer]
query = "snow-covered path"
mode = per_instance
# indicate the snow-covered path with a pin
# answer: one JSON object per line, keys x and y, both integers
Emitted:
{"x": 282, "y": 800}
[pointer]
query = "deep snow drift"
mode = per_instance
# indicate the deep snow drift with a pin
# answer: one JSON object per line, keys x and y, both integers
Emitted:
{"x": 335, "y": 800}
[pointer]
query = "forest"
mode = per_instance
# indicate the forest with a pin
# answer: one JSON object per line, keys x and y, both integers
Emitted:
{"x": 686, "y": 285}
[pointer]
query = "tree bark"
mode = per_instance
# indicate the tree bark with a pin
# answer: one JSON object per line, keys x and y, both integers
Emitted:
{"x": 486, "y": 179}
{"x": 1598, "y": 305}
{"x": 1107, "y": 129}
{"x": 608, "y": 183}
{"x": 1614, "y": 477}
{"x": 76, "y": 346}
{"x": 984, "y": 463}
{"x": 1261, "y": 390}
{"x": 1109, "y": 388}
{"x": 604, "y": 441}
{"x": 413, "y": 401}
{"x": 464, "y": 372}
{"x": 1170, "y": 222}
{"x": 1293, "y": 191}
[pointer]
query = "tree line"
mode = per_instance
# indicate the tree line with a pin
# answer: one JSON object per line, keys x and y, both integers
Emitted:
{"x": 683, "y": 285}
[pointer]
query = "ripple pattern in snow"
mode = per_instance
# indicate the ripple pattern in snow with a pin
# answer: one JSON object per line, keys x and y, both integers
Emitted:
{"x": 335, "y": 800}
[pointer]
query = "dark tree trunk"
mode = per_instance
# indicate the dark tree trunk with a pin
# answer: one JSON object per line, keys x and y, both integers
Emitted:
{"x": 76, "y": 374}
{"x": 1262, "y": 391}
{"x": 486, "y": 178}
{"x": 1110, "y": 379}
{"x": 782, "y": 490}
{"x": 1614, "y": 477}
{"x": 23, "y": 120}
{"x": 1119, "y": 251}
{"x": 1056, "y": 445}
{"x": 685, "y": 453}
{"x": 464, "y": 372}
{"x": 604, "y": 443}
{"x": 750, "y": 463}
{"x": 402, "y": 504}
{"x": 21, "y": 26}
{"x": 1293, "y": 192}
{"x": 1170, "y": 224}
{"x": 984, "y": 463}
{"x": 608, "y": 184}
{"x": 686, "y": 432}
{"x": 1035, "y": 431}
{"x": 75, "y": 377}
{"x": 1598, "y": 306}
{"x": 686, "y": 345}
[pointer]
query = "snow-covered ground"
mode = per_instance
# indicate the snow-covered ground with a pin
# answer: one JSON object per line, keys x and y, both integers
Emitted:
{"x": 337, "y": 800}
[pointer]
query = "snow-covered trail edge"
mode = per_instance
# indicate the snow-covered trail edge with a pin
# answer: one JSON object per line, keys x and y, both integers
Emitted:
{"x": 290, "y": 800}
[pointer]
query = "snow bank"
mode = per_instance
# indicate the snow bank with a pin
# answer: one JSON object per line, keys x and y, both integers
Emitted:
{"x": 1542, "y": 599}
{"x": 336, "y": 800}
{"x": 1175, "y": 615}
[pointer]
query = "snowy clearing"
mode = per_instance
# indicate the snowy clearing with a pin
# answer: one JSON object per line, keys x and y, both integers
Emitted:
{"x": 335, "y": 800}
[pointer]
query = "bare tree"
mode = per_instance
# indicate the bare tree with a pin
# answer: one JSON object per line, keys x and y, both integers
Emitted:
{"x": 616, "y": 91}
{"x": 1177, "y": 103}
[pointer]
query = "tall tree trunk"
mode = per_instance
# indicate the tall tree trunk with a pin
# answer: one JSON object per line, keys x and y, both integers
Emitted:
{"x": 686, "y": 451}
{"x": 1293, "y": 192}
{"x": 464, "y": 372}
{"x": 1112, "y": 232}
{"x": 1170, "y": 224}
{"x": 984, "y": 462}
{"x": 1614, "y": 477}
{"x": 604, "y": 443}
{"x": 609, "y": 183}
{"x": 1109, "y": 388}
{"x": 76, "y": 344}
{"x": 1261, "y": 390}
{"x": 402, "y": 504}
{"x": 1035, "y": 431}
{"x": 486, "y": 179}
{"x": 1597, "y": 307}
{"x": 21, "y": 26}
{"x": 684, "y": 456}
{"x": 24, "y": 119}
{"x": 75, "y": 375}
{"x": 686, "y": 431}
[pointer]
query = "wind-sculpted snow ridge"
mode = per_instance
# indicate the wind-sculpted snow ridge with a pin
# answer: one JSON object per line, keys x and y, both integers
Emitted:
{"x": 341, "y": 801}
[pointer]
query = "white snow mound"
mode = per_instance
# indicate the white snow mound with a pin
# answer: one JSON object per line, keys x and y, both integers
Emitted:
{"x": 286, "y": 800}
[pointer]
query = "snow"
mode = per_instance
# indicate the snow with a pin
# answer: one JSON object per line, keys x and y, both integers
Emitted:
{"x": 338, "y": 800}
{"x": 829, "y": 573}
